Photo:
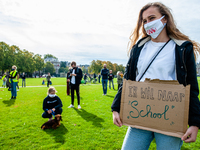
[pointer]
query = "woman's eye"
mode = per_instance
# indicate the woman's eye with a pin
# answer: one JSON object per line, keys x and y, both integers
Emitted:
{"x": 144, "y": 21}
{"x": 152, "y": 18}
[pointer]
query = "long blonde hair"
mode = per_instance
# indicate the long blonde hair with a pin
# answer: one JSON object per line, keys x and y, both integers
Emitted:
{"x": 170, "y": 27}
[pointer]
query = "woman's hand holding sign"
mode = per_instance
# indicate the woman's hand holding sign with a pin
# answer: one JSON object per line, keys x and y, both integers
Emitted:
{"x": 116, "y": 119}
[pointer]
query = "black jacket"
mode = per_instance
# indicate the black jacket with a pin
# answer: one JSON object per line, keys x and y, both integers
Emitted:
{"x": 185, "y": 70}
{"x": 50, "y": 103}
{"x": 104, "y": 73}
{"x": 110, "y": 76}
{"x": 78, "y": 76}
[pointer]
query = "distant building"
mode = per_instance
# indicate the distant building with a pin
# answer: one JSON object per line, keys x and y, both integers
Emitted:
{"x": 55, "y": 63}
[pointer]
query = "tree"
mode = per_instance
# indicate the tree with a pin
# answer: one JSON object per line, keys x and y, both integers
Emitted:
{"x": 39, "y": 65}
{"x": 49, "y": 56}
{"x": 62, "y": 69}
{"x": 121, "y": 68}
{"x": 49, "y": 68}
{"x": 63, "y": 64}
{"x": 96, "y": 66}
{"x": 29, "y": 62}
{"x": 84, "y": 70}
{"x": 19, "y": 56}
{"x": 7, "y": 59}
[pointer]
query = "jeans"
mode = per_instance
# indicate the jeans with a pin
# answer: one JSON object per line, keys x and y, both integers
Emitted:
{"x": 57, "y": 111}
{"x": 137, "y": 139}
{"x": 23, "y": 83}
{"x": 13, "y": 89}
{"x": 111, "y": 81}
{"x": 4, "y": 84}
{"x": 75, "y": 87}
{"x": 104, "y": 84}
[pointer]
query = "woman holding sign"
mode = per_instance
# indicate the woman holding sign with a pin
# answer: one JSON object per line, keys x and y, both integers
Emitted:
{"x": 163, "y": 53}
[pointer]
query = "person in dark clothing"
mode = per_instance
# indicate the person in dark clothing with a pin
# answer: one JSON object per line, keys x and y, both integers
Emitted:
{"x": 51, "y": 103}
{"x": 68, "y": 81}
{"x": 104, "y": 73}
{"x": 110, "y": 79}
{"x": 48, "y": 79}
{"x": 23, "y": 80}
{"x": 85, "y": 78}
{"x": 99, "y": 77}
{"x": 176, "y": 61}
{"x": 94, "y": 76}
{"x": 75, "y": 81}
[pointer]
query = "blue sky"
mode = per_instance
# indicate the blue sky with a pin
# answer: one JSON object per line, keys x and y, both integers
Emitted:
{"x": 83, "y": 31}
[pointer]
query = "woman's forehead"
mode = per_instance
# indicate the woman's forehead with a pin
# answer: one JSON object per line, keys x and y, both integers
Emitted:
{"x": 151, "y": 11}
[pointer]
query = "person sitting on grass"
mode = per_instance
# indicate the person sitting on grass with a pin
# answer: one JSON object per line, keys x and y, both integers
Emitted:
{"x": 52, "y": 104}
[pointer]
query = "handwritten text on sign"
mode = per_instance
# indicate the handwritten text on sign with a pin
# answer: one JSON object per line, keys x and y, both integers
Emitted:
{"x": 148, "y": 94}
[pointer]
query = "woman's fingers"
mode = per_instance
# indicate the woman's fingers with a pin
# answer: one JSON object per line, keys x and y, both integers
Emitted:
{"x": 116, "y": 119}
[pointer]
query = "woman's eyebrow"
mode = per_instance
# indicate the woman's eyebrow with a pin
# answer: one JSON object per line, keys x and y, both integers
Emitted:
{"x": 149, "y": 17}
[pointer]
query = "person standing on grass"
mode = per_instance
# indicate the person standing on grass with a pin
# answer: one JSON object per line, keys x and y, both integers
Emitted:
{"x": 75, "y": 81}
{"x": 4, "y": 79}
{"x": 104, "y": 74}
{"x": 110, "y": 79}
{"x": 48, "y": 79}
{"x": 176, "y": 61}
{"x": 14, "y": 79}
{"x": 23, "y": 79}
{"x": 85, "y": 78}
{"x": 99, "y": 77}
{"x": 119, "y": 79}
{"x": 68, "y": 81}
{"x": 52, "y": 104}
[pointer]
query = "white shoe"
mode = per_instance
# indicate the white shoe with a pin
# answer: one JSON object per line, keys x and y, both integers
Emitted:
{"x": 18, "y": 90}
{"x": 79, "y": 106}
{"x": 71, "y": 106}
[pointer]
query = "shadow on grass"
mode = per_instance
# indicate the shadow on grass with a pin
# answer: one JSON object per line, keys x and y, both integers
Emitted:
{"x": 183, "y": 148}
{"x": 110, "y": 96}
{"x": 96, "y": 121}
{"x": 58, "y": 133}
{"x": 9, "y": 102}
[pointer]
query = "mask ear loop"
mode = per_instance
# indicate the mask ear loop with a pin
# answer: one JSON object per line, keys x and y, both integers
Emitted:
{"x": 161, "y": 19}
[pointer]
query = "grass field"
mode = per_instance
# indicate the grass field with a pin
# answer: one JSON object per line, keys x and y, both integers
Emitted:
{"x": 81, "y": 129}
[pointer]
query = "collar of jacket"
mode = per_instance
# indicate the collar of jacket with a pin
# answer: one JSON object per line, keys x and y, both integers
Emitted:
{"x": 146, "y": 39}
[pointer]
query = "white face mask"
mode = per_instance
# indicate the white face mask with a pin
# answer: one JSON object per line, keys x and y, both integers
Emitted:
{"x": 52, "y": 95}
{"x": 154, "y": 28}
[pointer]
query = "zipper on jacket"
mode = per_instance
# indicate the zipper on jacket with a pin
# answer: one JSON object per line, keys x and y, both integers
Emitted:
{"x": 184, "y": 66}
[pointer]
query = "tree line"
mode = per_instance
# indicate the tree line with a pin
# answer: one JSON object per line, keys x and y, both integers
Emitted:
{"x": 24, "y": 60}
{"x": 96, "y": 66}
{"x": 29, "y": 62}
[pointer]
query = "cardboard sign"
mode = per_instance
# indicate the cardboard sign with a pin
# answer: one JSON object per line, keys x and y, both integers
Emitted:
{"x": 155, "y": 105}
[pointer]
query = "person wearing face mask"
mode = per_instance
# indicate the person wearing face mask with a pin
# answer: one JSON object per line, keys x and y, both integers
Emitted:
{"x": 163, "y": 53}
{"x": 104, "y": 74}
{"x": 14, "y": 79}
{"x": 52, "y": 103}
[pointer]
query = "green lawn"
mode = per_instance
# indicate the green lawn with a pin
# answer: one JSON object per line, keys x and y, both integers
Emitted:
{"x": 88, "y": 128}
